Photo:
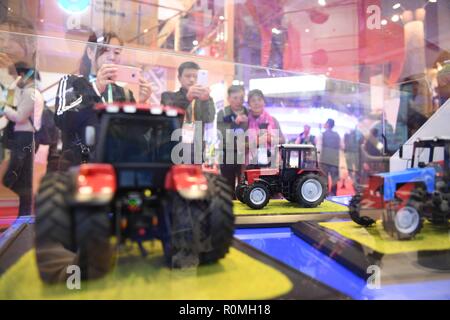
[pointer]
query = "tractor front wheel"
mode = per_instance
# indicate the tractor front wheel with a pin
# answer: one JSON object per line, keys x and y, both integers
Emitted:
{"x": 405, "y": 222}
{"x": 257, "y": 196}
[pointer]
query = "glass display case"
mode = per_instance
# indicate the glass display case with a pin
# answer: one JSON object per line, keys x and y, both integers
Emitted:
{"x": 364, "y": 84}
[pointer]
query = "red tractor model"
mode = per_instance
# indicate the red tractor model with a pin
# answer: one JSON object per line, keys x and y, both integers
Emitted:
{"x": 131, "y": 190}
{"x": 298, "y": 179}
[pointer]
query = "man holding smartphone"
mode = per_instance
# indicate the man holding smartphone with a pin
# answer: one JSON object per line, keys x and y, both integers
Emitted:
{"x": 193, "y": 97}
{"x": 190, "y": 90}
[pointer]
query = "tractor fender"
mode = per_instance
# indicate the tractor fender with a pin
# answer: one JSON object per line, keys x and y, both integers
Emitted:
{"x": 94, "y": 184}
{"x": 264, "y": 182}
{"x": 315, "y": 171}
{"x": 187, "y": 180}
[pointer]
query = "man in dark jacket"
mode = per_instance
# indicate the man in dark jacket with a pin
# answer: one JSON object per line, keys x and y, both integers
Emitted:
{"x": 194, "y": 99}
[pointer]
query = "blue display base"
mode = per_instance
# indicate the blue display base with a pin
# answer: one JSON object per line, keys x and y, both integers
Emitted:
{"x": 283, "y": 245}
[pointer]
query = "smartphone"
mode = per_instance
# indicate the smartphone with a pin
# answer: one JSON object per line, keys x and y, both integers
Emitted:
{"x": 263, "y": 126}
{"x": 202, "y": 78}
{"x": 128, "y": 74}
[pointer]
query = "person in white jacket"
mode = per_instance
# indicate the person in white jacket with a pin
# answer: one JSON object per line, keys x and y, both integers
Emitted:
{"x": 24, "y": 117}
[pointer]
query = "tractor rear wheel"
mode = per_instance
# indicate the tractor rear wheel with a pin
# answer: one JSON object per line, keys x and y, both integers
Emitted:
{"x": 54, "y": 245}
{"x": 218, "y": 227}
{"x": 310, "y": 190}
{"x": 257, "y": 196}
{"x": 198, "y": 231}
{"x": 67, "y": 236}
{"x": 92, "y": 239}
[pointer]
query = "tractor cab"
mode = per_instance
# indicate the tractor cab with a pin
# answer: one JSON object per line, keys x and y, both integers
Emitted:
{"x": 434, "y": 153}
{"x": 297, "y": 157}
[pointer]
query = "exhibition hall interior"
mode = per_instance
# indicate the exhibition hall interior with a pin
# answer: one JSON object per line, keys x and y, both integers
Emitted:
{"x": 225, "y": 149}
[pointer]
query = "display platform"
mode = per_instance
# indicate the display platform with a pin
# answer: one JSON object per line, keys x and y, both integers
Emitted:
{"x": 282, "y": 212}
{"x": 245, "y": 273}
{"x": 15, "y": 240}
{"x": 427, "y": 256}
{"x": 282, "y": 244}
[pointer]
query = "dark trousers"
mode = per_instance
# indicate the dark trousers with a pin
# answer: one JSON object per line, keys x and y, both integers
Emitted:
{"x": 333, "y": 171}
{"x": 231, "y": 172}
{"x": 19, "y": 175}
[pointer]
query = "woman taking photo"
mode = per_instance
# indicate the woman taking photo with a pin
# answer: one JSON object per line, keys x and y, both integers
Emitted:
{"x": 263, "y": 130}
{"x": 78, "y": 94}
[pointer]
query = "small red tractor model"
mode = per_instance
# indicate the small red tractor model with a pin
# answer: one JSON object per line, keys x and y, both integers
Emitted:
{"x": 131, "y": 190}
{"x": 403, "y": 199}
{"x": 298, "y": 179}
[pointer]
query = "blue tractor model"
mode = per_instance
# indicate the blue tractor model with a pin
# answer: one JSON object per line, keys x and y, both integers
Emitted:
{"x": 404, "y": 199}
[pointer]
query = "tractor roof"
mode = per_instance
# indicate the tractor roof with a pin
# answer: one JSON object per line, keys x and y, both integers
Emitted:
{"x": 424, "y": 141}
{"x": 139, "y": 108}
{"x": 297, "y": 146}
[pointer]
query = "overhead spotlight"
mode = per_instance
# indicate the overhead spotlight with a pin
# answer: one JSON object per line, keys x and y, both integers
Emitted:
{"x": 195, "y": 43}
{"x": 432, "y": 1}
{"x": 222, "y": 18}
{"x": 384, "y": 22}
{"x": 395, "y": 18}
{"x": 322, "y": 3}
{"x": 397, "y": 6}
{"x": 307, "y": 30}
{"x": 145, "y": 30}
{"x": 276, "y": 31}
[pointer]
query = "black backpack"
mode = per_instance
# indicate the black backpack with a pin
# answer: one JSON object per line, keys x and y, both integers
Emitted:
{"x": 8, "y": 135}
{"x": 48, "y": 133}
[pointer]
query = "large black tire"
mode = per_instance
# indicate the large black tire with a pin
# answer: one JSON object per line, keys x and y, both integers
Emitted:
{"x": 354, "y": 209}
{"x": 198, "y": 231}
{"x": 92, "y": 238}
{"x": 257, "y": 196}
{"x": 218, "y": 228}
{"x": 54, "y": 242}
{"x": 405, "y": 222}
{"x": 239, "y": 192}
{"x": 315, "y": 194}
{"x": 65, "y": 238}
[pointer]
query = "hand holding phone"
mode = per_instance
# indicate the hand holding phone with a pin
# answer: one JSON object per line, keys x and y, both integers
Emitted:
{"x": 202, "y": 78}
{"x": 107, "y": 74}
{"x": 128, "y": 74}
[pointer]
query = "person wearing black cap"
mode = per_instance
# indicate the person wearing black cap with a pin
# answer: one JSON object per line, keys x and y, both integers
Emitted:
{"x": 329, "y": 156}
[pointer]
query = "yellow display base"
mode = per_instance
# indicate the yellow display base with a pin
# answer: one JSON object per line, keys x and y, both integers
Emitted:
{"x": 237, "y": 276}
{"x": 430, "y": 238}
{"x": 277, "y": 207}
